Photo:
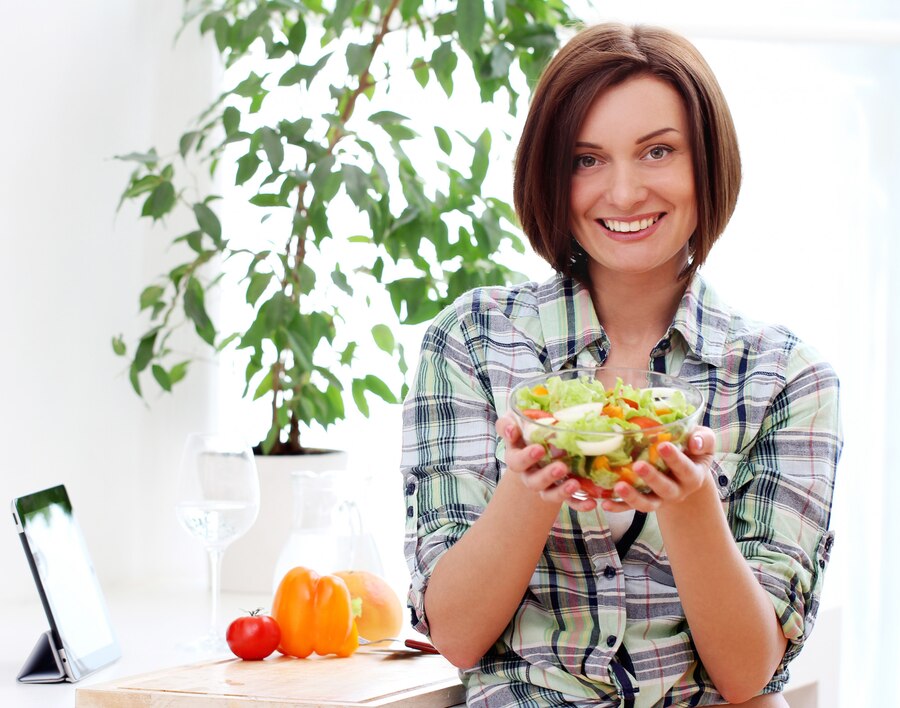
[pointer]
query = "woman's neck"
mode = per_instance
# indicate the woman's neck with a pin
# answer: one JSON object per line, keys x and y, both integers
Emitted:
{"x": 636, "y": 311}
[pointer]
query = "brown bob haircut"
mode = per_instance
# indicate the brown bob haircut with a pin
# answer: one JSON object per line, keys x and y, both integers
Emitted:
{"x": 594, "y": 60}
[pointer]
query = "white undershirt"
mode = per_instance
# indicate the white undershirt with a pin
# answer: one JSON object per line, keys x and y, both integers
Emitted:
{"x": 619, "y": 522}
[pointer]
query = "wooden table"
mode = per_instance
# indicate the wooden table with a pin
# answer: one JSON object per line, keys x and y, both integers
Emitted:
{"x": 371, "y": 677}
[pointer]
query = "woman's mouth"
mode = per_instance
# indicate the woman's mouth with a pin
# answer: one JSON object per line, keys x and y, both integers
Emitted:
{"x": 632, "y": 229}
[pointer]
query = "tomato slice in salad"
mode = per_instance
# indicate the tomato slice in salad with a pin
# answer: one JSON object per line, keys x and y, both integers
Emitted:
{"x": 536, "y": 413}
{"x": 644, "y": 421}
{"x": 593, "y": 490}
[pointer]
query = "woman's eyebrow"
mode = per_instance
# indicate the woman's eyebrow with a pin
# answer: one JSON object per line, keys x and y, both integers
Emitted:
{"x": 654, "y": 134}
{"x": 642, "y": 139}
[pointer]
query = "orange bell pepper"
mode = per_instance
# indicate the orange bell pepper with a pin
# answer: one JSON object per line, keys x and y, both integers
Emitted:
{"x": 315, "y": 614}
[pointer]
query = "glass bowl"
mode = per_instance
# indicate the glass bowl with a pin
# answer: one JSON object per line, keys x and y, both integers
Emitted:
{"x": 602, "y": 420}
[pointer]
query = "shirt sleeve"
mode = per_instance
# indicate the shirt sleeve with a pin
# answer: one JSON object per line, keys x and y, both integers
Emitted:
{"x": 781, "y": 515}
{"x": 448, "y": 461}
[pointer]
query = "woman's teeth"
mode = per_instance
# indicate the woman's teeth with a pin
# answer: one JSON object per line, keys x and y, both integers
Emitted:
{"x": 628, "y": 226}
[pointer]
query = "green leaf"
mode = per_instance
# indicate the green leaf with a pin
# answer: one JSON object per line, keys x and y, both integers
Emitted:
{"x": 162, "y": 377}
{"x": 258, "y": 284}
{"x": 380, "y": 388}
{"x": 399, "y": 132}
{"x": 221, "y": 30}
{"x": 382, "y": 117}
{"x": 251, "y": 86}
{"x": 358, "y": 58}
{"x": 135, "y": 380}
{"x": 271, "y": 142}
{"x": 340, "y": 279}
{"x": 470, "y": 19}
{"x": 187, "y": 142}
{"x": 265, "y": 386}
{"x": 247, "y": 166}
{"x": 160, "y": 202}
{"x": 347, "y": 354}
{"x": 342, "y": 9}
{"x": 150, "y": 296}
{"x": 149, "y": 158}
{"x": 297, "y": 35}
{"x": 208, "y": 222}
{"x": 144, "y": 352}
{"x": 499, "y": 10}
{"x": 268, "y": 200}
{"x": 358, "y": 388}
{"x": 444, "y": 142}
{"x": 480, "y": 160}
{"x": 178, "y": 372}
{"x": 420, "y": 71}
{"x": 356, "y": 182}
{"x": 443, "y": 62}
{"x": 231, "y": 120}
{"x": 384, "y": 338}
{"x": 195, "y": 309}
{"x": 501, "y": 60}
{"x": 118, "y": 345}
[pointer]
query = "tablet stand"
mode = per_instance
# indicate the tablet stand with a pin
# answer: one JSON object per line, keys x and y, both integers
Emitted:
{"x": 44, "y": 664}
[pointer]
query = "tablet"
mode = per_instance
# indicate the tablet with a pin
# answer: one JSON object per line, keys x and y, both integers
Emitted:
{"x": 81, "y": 638}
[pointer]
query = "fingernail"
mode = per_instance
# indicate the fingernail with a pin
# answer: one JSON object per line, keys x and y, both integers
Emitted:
{"x": 509, "y": 431}
{"x": 537, "y": 453}
{"x": 642, "y": 470}
{"x": 698, "y": 442}
{"x": 558, "y": 472}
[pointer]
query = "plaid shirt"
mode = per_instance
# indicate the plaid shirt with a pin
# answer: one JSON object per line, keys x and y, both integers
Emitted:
{"x": 601, "y": 622}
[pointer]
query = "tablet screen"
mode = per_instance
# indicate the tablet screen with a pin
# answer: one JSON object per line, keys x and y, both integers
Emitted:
{"x": 66, "y": 578}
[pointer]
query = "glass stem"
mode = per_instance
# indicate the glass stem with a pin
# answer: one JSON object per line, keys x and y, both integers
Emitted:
{"x": 215, "y": 584}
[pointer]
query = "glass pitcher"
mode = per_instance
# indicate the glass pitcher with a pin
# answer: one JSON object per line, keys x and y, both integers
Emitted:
{"x": 327, "y": 533}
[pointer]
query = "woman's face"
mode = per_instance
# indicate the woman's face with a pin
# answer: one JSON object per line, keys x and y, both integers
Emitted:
{"x": 633, "y": 205}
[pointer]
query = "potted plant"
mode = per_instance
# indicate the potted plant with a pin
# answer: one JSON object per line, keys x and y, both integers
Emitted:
{"x": 303, "y": 134}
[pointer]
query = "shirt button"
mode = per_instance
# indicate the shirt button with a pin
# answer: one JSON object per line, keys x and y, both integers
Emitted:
{"x": 611, "y": 640}
{"x": 410, "y": 488}
{"x": 410, "y": 511}
{"x": 609, "y": 571}
{"x": 723, "y": 480}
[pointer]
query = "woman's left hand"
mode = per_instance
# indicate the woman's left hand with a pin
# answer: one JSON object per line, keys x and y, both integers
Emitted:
{"x": 688, "y": 471}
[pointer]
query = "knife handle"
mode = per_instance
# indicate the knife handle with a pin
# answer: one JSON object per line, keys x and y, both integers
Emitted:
{"x": 423, "y": 647}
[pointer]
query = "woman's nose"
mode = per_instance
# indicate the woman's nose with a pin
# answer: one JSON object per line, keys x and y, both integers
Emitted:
{"x": 625, "y": 188}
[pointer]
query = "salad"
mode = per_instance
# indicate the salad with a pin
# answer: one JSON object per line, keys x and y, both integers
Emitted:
{"x": 601, "y": 431}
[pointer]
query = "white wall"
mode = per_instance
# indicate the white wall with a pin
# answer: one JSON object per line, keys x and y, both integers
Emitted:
{"x": 83, "y": 82}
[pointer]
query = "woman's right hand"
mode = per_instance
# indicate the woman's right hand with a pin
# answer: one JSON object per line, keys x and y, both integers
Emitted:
{"x": 551, "y": 482}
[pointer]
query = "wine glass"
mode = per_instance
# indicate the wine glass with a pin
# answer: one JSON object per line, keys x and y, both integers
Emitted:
{"x": 218, "y": 500}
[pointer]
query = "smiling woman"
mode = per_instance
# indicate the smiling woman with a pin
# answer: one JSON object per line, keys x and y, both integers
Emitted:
{"x": 626, "y": 174}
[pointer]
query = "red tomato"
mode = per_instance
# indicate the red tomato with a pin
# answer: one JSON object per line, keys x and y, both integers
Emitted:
{"x": 592, "y": 490}
{"x": 644, "y": 422}
{"x": 535, "y": 413}
{"x": 253, "y": 637}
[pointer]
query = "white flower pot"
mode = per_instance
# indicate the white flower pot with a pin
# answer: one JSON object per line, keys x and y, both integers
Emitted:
{"x": 249, "y": 563}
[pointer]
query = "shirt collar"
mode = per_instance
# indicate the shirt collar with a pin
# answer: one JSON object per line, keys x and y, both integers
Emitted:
{"x": 570, "y": 325}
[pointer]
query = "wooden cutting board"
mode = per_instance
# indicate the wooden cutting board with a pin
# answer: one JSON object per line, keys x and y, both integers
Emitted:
{"x": 371, "y": 677}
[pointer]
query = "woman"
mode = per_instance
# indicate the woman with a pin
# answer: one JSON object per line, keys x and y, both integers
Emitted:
{"x": 702, "y": 591}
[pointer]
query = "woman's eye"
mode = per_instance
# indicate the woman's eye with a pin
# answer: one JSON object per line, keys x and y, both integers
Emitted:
{"x": 658, "y": 152}
{"x": 584, "y": 161}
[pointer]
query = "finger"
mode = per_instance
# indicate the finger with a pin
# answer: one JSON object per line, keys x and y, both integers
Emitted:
{"x": 588, "y": 504}
{"x": 683, "y": 470}
{"x": 560, "y": 490}
{"x": 662, "y": 483}
{"x": 701, "y": 443}
{"x": 631, "y": 498}
{"x": 507, "y": 428}
{"x": 521, "y": 459}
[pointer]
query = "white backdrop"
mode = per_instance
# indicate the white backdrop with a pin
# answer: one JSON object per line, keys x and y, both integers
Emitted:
{"x": 83, "y": 82}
